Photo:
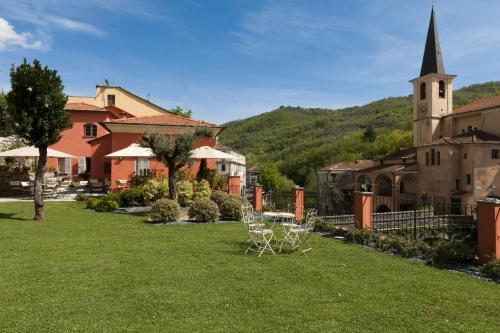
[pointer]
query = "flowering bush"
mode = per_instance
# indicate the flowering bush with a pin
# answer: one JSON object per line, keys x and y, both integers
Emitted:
{"x": 184, "y": 192}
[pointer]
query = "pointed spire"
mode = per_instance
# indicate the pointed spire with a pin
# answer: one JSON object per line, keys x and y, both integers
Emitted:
{"x": 433, "y": 60}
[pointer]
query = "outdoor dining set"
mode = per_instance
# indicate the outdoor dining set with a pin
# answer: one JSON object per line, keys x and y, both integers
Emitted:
{"x": 264, "y": 236}
{"x": 60, "y": 186}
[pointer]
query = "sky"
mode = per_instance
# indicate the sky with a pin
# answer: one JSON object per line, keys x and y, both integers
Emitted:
{"x": 232, "y": 59}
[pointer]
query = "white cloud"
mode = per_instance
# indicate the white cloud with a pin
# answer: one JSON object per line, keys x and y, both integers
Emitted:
{"x": 75, "y": 25}
{"x": 9, "y": 37}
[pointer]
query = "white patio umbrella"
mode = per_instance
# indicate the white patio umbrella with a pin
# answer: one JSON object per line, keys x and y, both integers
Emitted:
{"x": 31, "y": 151}
{"x": 210, "y": 153}
{"x": 134, "y": 150}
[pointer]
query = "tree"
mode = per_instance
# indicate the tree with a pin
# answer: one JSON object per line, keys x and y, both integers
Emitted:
{"x": 369, "y": 133}
{"x": 174, "y": 152}
{"x": 178, "y": 111}
{"x": 3, "y": 115}
{"x": 36, "y": 107}
{"x": 269, "y": 176}
{"x": 203, "y": 172}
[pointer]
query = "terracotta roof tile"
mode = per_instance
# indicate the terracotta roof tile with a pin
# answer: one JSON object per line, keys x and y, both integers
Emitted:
{"x": 83, "y": 107}
{"x": 362, "y": 164}
{"x": 469, "y": 137}
{"x": 482, "y": 104}
{"x": 164, "y": 119}
{"x": 401, "y": 153}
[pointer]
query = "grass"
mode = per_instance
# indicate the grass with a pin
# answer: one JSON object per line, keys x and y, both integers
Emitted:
{"x": 99, "y": 272}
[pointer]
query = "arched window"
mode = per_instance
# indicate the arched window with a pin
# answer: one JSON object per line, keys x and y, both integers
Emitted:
{"x": 442, "y": 89}
{"x": 423, "y": 90}
{"x": 90, "y": 130}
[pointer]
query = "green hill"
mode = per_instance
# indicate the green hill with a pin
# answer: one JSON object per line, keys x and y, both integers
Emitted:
{"x": 299, "y": 140}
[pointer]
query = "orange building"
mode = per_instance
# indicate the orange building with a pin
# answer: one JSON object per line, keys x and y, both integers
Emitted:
{"x": 99, "y": 130}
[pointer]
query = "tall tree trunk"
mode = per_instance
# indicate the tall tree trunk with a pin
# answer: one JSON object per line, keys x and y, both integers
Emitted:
{"x": 172, "y": 186}
{"x": 40, "y": 171}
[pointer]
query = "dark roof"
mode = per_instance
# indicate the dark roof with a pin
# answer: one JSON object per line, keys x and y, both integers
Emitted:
{"x": 482, "y": 104}
{"x": 432, "y": 63}
{"x": 401, "y": 153}
{"x": 255, "y": 169}
{"x": 474, "y": 136}
{"x": 362, "y": 164}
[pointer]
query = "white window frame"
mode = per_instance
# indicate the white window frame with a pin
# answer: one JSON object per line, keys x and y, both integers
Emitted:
{"x": 141, "y": 166}
{"x": 82, "y": 165}
{"x": 93, "y": 130}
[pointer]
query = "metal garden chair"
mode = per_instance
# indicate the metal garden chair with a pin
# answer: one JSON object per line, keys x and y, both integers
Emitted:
{"x": 297, "y": 235}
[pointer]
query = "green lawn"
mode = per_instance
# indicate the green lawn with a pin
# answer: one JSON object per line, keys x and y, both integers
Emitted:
{"x": 98, "y": 272}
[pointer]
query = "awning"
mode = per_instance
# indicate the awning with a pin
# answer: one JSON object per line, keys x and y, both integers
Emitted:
{"x": 31, "y": 151}
{"x": 134, "y": 150}
{"x": 210, "y": 153}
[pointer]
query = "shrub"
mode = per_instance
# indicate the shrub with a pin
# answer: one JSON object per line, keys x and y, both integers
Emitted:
{"x": 218, "y": 197}
{"x": 91, "y": 203}
{"x": 165, "y": 210}
{"x": 113, "y": 197}
{"x": 446, "y": 251}
{"x": 133, "y": 197}
{"x": 322, "y": 226}
{"x": 81, "y": 197}
{"x": 230, "y": 208}
{"x": 201, "y": 190}
{"x": 155, "y": 189}
{"x": 492, "y": 269}
{"x": 203, "y": 210}
{"x": 184, "y": 192}
{"x": 106, "y": 204}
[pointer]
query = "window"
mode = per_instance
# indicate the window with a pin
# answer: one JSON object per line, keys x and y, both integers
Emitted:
{"x": 423, "y": 90}
{"x": 141, "y": 166}
{"x": 465, "y": 156}
{"x": 90, "y": 130}
{"x": 468, "y": 179}
{"x": 88, "y": 164}
{"x": 495, "y": 154}
{"x": 107, "y": 167}
{"x": 333, "y": 178}
{"x": 223, "y": 167}
{"x": 442, "y": 89}
{"x": 469, "y": 129}
{"x": 438, "y": 158}
{"x": 427, "y": 158}
{"x": 111, "y": 100}
{"x": 433, "y": 157}
{"x": 457, "y": 184}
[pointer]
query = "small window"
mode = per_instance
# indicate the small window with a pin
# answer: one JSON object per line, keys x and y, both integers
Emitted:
{"x": 88, "y": 164}
{"x": 427, "y": 158}
{"x": 433, "y": 157}
{"x": 333, "y": 178}
{"x": 223, "y": 167}
{"x": 468, "y": 179}
{"x": 423, "y": 90}
{"x": 465, "y": 156}
{"x": 495, "y": 154}
{"x": 469, "y": 129}
{"x": 457, "y": 184}
{"x": 442, "y": 89}
{"x": 111, "y": 100}
{"x": 90, "y": 130}
{"x": 107, "y": 167}
{"x": 141, "y": 166}
{"x": 438, "y": 158}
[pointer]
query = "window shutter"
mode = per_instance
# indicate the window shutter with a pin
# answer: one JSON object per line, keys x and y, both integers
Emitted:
{"x": 67, "y": 166}
{"x": 81, "y": 165}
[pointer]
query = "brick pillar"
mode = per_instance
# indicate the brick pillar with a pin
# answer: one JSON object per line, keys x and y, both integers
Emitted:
{"x": 298, "y": 203}
{"x": 233, "y": 185}
{"x": 363, "y": 210}
{"x": 257, "y": 197}
{"x": 488, "y": 230}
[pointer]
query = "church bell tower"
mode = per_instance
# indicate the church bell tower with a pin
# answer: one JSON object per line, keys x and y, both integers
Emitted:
{"x": 432, "y": 91}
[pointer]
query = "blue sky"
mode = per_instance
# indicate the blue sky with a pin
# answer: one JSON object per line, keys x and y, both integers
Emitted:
{"x": 230, "y": 59}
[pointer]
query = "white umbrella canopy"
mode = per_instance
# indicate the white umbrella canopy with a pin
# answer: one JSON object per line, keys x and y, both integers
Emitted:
{"x": 31, "y": 151}
{"x": 134, "y": 150}
{"x": 210, "y": 153}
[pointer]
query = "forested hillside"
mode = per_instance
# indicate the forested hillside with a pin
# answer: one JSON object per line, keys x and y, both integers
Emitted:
{"x": 300, "y": 140}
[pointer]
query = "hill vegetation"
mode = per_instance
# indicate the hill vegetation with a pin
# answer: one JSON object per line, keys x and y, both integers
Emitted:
{"x": 301, "y": 140}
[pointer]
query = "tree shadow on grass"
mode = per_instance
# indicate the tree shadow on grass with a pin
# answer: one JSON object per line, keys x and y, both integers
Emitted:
{"x": 12, "y": 216}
